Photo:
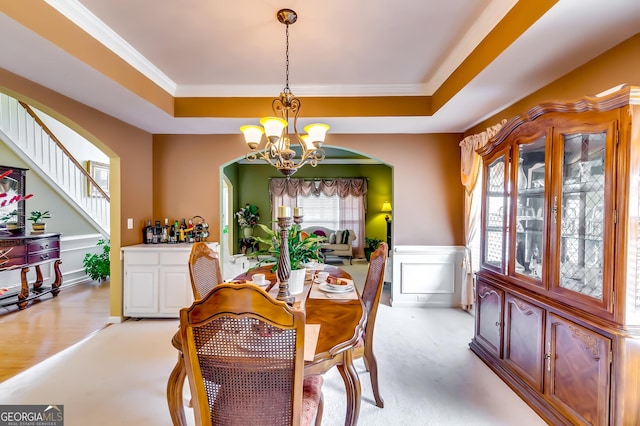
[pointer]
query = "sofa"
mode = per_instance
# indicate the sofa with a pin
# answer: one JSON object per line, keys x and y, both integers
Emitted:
{"x": 337, "y": 242}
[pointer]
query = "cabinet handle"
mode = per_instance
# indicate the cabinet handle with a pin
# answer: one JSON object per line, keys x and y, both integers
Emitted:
{"x": 555, "y": 209}
{"x": 497, "y": 323}
{"x": 547, "y": 356}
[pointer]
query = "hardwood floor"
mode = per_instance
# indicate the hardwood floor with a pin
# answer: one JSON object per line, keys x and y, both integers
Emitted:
{"x": 50, "y": 325}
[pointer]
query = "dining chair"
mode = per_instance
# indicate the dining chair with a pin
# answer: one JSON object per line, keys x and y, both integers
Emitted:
{"x": 244, "y": 357}
{"x": 204, "y": 269}
{"x": 371, "y": 298}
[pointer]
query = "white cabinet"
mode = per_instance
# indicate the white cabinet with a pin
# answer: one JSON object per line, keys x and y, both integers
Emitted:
{"x": 156, "y": 279}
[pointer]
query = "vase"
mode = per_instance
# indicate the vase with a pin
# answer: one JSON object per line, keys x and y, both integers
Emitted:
{"x": 247, "y": 232}
{"x": 296, "y": 281}
{"x": 38, "y": 227}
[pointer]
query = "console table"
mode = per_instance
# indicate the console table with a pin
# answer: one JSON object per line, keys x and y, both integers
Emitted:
{"x": 30, "y": 250}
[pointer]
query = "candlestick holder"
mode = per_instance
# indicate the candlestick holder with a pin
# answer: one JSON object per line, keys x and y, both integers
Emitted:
{"x": 284, "y": 264}
{"x": 297, "y": 219}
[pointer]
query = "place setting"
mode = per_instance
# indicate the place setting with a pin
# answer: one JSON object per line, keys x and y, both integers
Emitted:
{"x": 329, "y": 287}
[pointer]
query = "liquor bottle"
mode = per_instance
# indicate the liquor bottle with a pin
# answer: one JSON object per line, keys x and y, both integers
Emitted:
{"x": 148, "y": 233}
{"x": 157, "y": 232}
{"x": 183, "y": 226}
{"x": 176, "y": 225}
{"x": 164, "y": 238}
{"x": 172, "y": 234}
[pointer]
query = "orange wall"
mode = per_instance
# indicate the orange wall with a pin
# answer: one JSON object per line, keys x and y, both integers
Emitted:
{"x": 427, "y": 194}
{"x": 618, "y": 65}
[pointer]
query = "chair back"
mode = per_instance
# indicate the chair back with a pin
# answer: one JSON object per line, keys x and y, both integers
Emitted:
{"x": 243, "y": 354}
{"x": 373, "y": 286}
{"x": 204, "y": 269}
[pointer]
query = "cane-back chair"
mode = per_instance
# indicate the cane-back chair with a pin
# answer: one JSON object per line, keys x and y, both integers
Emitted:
{"x": 204, "y": 269}
{"x": 371, "y": 298}
{"x": 243, "y": 353}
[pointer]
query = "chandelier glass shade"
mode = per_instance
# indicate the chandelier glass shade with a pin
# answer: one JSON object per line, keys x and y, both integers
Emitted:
{"x": 277, "y": 150}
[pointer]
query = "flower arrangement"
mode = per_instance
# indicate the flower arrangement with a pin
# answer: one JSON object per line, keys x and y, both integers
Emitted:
{"x": 302, "y": 247}
{"x": 247, "y": 216}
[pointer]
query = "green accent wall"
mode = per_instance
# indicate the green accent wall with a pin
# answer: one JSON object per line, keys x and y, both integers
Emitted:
{"x": 252, "y": 186}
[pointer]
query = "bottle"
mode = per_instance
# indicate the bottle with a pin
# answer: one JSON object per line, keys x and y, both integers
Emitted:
{"x": 172, "y": 234}
{"x": 183, "y": 226}
{"x": 164, "y": 238}
{"x": 157, "y": 232}
{"x": 148, "y": 233}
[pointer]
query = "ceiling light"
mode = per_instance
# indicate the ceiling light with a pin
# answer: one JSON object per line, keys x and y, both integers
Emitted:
{"x": 277, "y": 150}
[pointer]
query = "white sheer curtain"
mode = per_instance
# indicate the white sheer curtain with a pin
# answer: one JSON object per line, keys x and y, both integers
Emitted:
{"x": 351, "y": 192}
{"x": 470, "y": 174}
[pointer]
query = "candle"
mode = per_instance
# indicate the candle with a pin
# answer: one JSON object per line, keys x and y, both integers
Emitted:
{"x": 297, "y": 211}
{"x": 284, "y": 211}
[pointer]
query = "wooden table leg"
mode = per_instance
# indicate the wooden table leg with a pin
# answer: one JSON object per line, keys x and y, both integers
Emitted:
{"x": 57, "y": 282}
{"x": 352, "y": 386}
{"x": 38, "y": 282}
{"x": 174, "y": 392}
{"x": 24, "y": 290}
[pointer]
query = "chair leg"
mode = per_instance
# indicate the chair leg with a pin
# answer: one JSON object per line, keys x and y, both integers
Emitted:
{"x": 320, "y": 410}
{"x": 372, "y": 366}
{"x": 350, "y": 260}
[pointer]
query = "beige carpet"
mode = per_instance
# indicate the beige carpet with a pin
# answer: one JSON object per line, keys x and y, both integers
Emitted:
{"x": 428, "y": 376}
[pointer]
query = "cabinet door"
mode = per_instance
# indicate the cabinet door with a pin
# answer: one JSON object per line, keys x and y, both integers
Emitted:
{"x": 528, "y": 240}
{"x": 583, "y": 213}
{"x": 578, "y": 369}
{"x": 524, "y": 340}
{"x": 175, "y": 290}
{"x": 140, "y": 290}
{"x": 489, "y": 317}
{"x": 494, "y": 215}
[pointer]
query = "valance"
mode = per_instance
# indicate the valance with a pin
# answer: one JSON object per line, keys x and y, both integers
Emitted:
{"x": 342, "y": 187}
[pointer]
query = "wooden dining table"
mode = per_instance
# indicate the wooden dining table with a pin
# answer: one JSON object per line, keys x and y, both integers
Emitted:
{"x": 341, "y": 322}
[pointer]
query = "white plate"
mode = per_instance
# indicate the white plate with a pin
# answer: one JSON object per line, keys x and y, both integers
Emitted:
{"x": 325, "y": 287}
{"x": 265, "y": 283}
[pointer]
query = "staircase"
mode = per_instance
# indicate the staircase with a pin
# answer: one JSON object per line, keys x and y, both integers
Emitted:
{"x": 35, "y": 144}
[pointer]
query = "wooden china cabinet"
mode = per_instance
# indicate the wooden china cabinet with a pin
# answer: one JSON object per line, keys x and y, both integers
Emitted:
{"x": 558, "y": 291}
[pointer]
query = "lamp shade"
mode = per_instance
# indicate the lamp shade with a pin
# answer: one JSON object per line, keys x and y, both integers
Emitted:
{"x": 252, "y": 134}
{"x": 386, "y": 207}
{"x": 317, "y": 131}
{"x": 273, "y": 126}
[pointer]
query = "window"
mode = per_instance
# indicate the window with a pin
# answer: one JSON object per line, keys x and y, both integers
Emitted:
{"x": 322, "y": 210}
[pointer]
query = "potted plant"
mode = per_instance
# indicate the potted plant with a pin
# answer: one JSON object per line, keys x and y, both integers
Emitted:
{"x": 302, "y": 249}
{"x": 36, "y": 217}
{"x": 98, "y": 266}
{"x": 247, "y": 218}
{"x": 370, "y": 245}
{"x": 10, "y": 219}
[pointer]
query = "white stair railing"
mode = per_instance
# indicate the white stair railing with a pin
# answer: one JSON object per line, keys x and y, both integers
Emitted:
{"x": 30, "y": 139}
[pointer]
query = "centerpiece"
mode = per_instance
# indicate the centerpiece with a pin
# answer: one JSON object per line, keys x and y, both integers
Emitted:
{"x": 247, "y": 218}
{"x": 302, "y": 249}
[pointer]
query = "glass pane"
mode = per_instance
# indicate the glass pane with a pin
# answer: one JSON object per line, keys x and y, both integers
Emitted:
{"x": 582, "y": 219}
{"x": 530, "y": 209}
{"x": 495, "y": 213}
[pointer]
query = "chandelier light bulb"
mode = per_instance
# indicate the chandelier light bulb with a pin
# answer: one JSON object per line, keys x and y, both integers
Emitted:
{"x": 252, "y": 135}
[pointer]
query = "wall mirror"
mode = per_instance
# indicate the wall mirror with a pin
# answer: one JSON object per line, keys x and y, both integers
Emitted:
{"x": 12, "y": 192}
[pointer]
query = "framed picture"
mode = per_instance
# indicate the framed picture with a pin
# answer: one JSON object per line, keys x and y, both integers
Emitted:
{"x": 99, "y": 172}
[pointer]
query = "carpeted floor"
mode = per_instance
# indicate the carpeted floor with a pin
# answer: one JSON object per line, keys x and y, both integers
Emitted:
{"x": 428, "y": 376}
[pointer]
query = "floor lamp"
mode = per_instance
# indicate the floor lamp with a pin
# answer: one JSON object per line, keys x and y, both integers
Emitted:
{"x": 386, "y": 208}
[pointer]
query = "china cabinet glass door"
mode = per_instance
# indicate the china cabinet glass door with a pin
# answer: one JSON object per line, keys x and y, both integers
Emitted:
{"x": 581, "y": 209}
{"x": 495, "y": 215}
{"x": 529, "y": 229}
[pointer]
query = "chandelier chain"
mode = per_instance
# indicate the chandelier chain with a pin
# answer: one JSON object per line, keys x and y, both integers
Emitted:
{"x": 286, "y": 86}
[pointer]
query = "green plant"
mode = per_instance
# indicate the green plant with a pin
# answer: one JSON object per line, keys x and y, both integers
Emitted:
{"x": 10, "y": 217}
{"x": 247, "y": 216}
{"x": 98, "y": 266}
{"x": 36, "y": 216}
{"x": 370, "y": 245}
{"x": 302, "y": 249}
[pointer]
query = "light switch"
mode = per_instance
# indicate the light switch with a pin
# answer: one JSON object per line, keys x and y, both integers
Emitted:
{"x": 130, "y": 223}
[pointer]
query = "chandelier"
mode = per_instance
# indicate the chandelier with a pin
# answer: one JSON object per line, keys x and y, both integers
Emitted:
{"x": 277, "y": 150}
